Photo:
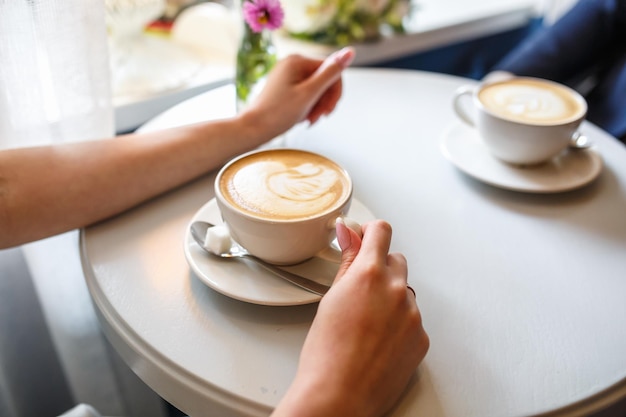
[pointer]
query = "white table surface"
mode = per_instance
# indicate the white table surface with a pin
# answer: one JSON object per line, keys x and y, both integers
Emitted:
{"x": 521, "y": 294}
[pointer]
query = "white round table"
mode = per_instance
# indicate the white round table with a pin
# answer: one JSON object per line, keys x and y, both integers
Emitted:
{"x": 522, "y": 294}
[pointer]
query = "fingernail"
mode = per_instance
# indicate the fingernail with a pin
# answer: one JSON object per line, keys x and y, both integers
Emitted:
{"x": 344, "y": 57}
{"x": 343, "y": 234}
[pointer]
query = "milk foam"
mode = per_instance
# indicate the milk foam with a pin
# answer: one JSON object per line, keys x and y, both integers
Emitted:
{"x": 528, "y": 101}
{"x": 274, "y": 189}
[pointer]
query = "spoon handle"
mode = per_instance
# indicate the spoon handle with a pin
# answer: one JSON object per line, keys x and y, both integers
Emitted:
{"x": 302, "y": 282}
{"x": 199, "y": 231}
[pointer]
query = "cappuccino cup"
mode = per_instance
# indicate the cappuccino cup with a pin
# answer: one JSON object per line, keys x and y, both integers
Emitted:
{"x": 522, "y": 120}
{"x": 281, "y": 205}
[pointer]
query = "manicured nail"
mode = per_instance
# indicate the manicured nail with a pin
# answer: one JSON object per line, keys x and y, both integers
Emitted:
{"x": 344, "y": 57}
{"x": 343, "y": 234}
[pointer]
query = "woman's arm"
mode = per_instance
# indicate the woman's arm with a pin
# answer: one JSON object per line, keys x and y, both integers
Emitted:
{"x": 51, "y": 189}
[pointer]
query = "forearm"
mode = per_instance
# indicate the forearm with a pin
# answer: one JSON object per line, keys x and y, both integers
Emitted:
{"x": 49, "y": 190}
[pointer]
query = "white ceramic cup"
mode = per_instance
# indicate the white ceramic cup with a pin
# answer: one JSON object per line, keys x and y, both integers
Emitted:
{"x": 281, "y": 205}
{"x": 522, "y": 120}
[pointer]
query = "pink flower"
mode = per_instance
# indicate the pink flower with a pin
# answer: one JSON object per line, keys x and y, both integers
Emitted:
{"x": 263, "y": 14}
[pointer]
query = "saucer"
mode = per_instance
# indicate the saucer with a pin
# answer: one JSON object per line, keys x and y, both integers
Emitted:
{"x": 245, "y": 281}
{"x": 572, "y": 169}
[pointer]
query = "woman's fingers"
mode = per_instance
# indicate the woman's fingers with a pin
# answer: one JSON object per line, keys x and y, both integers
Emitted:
{"x": 327, "y": 102}
{"x": 369, "y": 253}
{"x": 330, "y": 69}
{"x": 298, "y": 89}
{"x": 376, "y": 241}
{"x": 326, "y": 79}
{"x": 350, "y": 244}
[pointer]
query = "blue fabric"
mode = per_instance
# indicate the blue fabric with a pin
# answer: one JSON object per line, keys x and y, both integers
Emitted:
{"x": 588, "y": 43}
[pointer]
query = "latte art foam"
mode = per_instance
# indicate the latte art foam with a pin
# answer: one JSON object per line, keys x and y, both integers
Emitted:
{"x": 285, "y": 185}
{"x": 306, "y": 182}
{"x": 530, "y": 101}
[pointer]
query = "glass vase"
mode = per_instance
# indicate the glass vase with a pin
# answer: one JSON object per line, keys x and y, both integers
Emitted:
{"x": 255, "y": 58}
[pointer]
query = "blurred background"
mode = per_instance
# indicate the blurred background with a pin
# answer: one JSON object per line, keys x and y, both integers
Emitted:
{"x": 133, "y": 59}
{"x": 163, "y": 51}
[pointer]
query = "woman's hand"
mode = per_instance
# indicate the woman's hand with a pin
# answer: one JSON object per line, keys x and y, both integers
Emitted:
{"x": 298, "y": 89}
{"x": 367, "y": 338}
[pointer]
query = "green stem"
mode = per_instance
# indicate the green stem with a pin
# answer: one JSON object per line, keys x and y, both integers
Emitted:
{"x": 255, "y": 58}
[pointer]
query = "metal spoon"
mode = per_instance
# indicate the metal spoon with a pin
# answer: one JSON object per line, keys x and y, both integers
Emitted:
{"x": 198, "y": 232}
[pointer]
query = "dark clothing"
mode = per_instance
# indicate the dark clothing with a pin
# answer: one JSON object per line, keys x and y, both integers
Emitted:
{"x": 585, "y": 49}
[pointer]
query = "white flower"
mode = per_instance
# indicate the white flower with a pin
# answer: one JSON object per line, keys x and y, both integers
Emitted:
{"x": 341, "y": 22}
{"x": 308, "y": 16}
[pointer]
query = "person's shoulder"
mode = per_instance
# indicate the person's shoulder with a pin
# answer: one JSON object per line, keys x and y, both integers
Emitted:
{"x": 606, "y": 8}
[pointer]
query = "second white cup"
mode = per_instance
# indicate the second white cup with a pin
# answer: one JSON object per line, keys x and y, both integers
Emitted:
{"x": 522, "y": 120}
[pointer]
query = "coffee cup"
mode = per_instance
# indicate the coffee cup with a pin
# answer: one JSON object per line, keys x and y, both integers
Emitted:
{"x": 522, "y": 120}
{"x": 281, "y": 205}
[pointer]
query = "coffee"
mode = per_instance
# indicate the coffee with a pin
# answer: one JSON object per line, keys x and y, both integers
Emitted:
{"x": 284, "y": 184}
{"x": 531, "y": 101}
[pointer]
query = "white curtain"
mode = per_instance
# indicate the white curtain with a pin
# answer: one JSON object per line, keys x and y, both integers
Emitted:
{"x": 54, "y": 72}
{"x": 55, "y": 87}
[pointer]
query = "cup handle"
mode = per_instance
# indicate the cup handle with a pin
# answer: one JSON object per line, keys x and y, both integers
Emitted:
{"x": 460, "y": 110}
{"x": 580, "y": 141}
{"x": 352, "y": 224}
{"x": 333, "y": 254}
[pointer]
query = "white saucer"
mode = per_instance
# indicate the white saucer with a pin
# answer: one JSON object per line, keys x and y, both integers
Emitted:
{"x": 572, "y": 169}
{"x": 247, "y": 282}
